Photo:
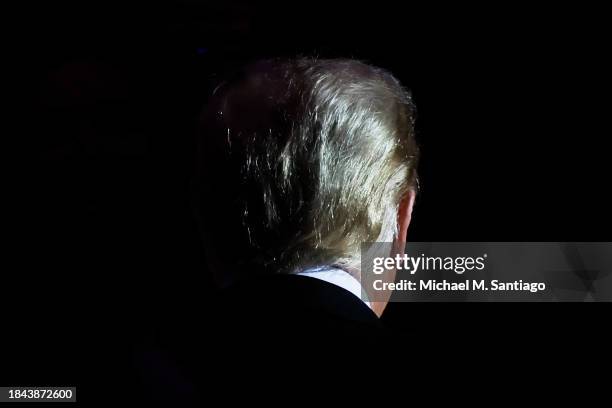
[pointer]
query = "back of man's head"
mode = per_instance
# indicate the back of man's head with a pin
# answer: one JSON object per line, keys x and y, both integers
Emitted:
{"x": 302, "y": 161}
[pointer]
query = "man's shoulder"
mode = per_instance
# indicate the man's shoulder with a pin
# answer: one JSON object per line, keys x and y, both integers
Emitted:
{"x": 290, "y": 325}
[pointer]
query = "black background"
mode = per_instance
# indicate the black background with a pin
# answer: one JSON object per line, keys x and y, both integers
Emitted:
{"x": 512, "y": 107}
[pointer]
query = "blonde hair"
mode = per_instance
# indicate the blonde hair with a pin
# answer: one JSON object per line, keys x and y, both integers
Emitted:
{"x": 303, "y": 160}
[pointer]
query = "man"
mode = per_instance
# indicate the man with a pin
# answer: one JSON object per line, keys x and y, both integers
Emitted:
{"x": 303, "y": 161}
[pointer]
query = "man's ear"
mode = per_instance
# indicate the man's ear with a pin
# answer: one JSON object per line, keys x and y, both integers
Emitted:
{"x": 404, "y": 215}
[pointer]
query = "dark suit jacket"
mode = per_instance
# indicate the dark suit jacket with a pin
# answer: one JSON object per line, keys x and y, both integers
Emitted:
{"x": 281, "y": 328}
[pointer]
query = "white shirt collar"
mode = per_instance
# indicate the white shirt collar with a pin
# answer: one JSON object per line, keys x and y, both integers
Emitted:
{"x": 336, "y": 277}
